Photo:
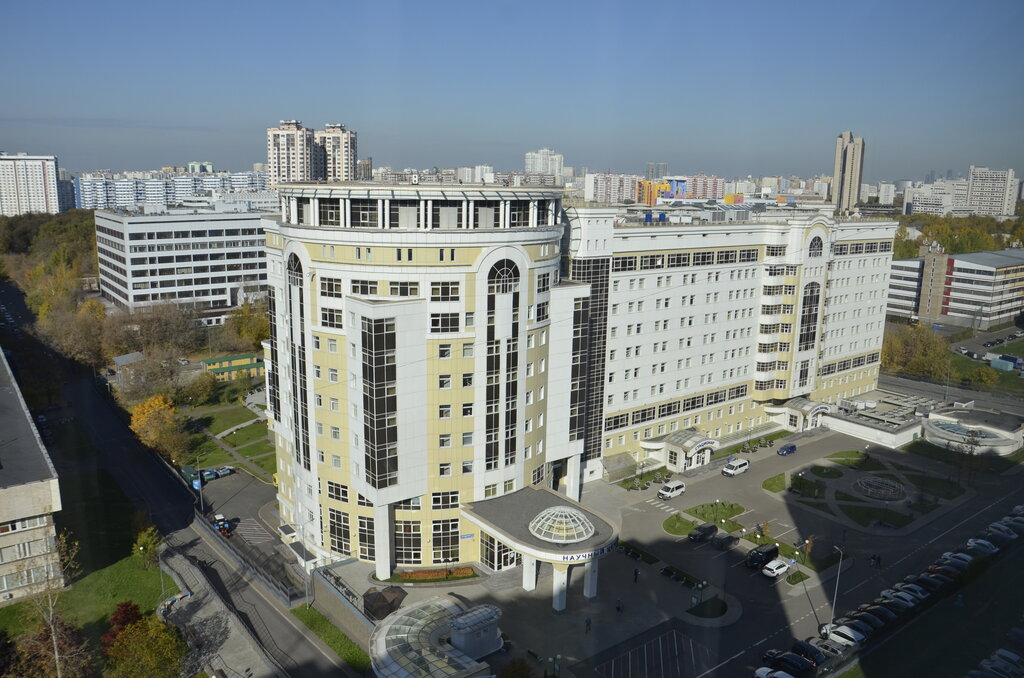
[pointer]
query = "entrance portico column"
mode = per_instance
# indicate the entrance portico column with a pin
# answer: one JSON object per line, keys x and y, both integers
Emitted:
{"x": 590, "y": 579}
{"x": 572, "y": 477}
{"x": 529, "y": 573}
{"x": 559, "y": 584}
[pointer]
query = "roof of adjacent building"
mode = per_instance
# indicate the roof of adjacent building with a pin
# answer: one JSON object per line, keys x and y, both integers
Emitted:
{"x": 1001, "y": 259}
{"x": 23, "y": 459}
{"x": 231, "y": 358}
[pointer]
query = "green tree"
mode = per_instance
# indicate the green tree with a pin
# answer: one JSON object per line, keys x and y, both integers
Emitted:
{"x": 147, "y": 648}
{"x": 251, "y": 323}
{"x": 126, "y": 613}
{"x": 55, "y": 649}
{"x": 147, "y": 546}
{"x": 199, "y": 391}
{"x": 983, "y": 377}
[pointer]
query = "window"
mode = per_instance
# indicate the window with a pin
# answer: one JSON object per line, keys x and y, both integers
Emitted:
{"x": 337, "y": 491}
{"x": 403, "y": 289}
{"x": 467, "y": 467}
{"x": 542, "y": 311}
{"x": 338, "y": 530}
{"x": 366, "y": 544}
{"x": 469, "y": 320}
{"x": 331, "y": 317}
{"x": 444, "y": 291}
{"x": 444, "y": 322}
{"x": 538, "y": 475}
{"x": 490, "y": 491}
{"x": 333, "y": 404}
{"x": 444, "y": 350}
{"x": 467, "y": 438}
{"x": 775, "y": 251}
{"x": 815, "y": 248}
{"x": 467, "y": 409}
{"x": 445, "y": 541}
{"x": 444, "y": 381}
{"x": 444, "y": 470}
{"x": 331, "y": 287}
{"x": 444, "y": 500}
{"x": 332, "y": 375}
{"x": 408, "y": 542}
{"x": 444, "y": 411}
{"x": 444, "y": 440}
{"x": 509, "y": 486}
{"x": 467, "y": 350}
{"x": 467, "y": 379}
{"x": 364, "y": 287}
{"x": 332, "y": 345}
{"x": 543, "y": 282}
{"x": 335, "y": 433}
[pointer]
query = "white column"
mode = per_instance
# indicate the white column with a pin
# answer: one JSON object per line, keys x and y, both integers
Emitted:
{"x": 533, "y": 214}
{"x": 385, "y": 216}
{"x": 572, "y": 477}
{"x": 590, "y": 579}
{"x": 427, "y": 209}
{"x": 346, "y": 213}
{"x": 559, "y": 585}
{"x": 314, "y": 205}
{"x": 293, "y": 211}
{"x": 529, "y": 573}
{"x": 467, "y": 220}
{"x": 382, "y": 540}
{"x": 380, "y": 213}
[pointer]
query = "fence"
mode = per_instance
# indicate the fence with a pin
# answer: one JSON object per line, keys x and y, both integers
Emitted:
{"x": 259, "y": 565}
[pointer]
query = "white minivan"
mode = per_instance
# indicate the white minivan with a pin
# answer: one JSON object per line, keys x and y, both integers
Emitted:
{"x": 672, "y": 488}
{"x": 735, "y": 467}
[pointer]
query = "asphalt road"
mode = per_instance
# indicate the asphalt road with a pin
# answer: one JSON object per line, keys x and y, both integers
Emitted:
{"x": 148, "y": 483}
{"x": 941, "y": 392}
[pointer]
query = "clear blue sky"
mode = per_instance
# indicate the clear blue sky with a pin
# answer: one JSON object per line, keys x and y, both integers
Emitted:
{"x": 727, "y": 88}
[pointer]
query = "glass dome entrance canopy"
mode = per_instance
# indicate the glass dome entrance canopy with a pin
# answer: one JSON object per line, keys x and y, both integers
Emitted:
{"x": 561, "y": 525}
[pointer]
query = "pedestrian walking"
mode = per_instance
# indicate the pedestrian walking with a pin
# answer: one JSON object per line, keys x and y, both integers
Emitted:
{"x": 586, "y": 625}
{"x": 618, "y": 606}
{"x": 636, "y": 574}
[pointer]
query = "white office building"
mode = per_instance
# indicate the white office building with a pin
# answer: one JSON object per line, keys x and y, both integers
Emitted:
{"x": 210, "y": 259}
{"x": 886, "y": 194}
{"x": 29, "y": 183}
{"x": 991, "y": 192}
{"x": 544, "y": 161}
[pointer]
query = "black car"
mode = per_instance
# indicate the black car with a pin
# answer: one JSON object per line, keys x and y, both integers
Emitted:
{"x": 868, "y": 618}
{"x": 790, "y": 662}
{"x": 928, "y": 583}
{"x": 725, "y": 541}
{"x": 857, "y": 625}
{"x": 809, "y": 652}
{"x": 997, "y": 538}
{"x": 954, "y": 563}
{"x": 883, "y": 613}
{"x": 702, "y": 533}
{"x": 945, "y": 571}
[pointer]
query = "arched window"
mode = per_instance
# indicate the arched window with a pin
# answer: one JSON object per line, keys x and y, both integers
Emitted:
{"x": 294, "y": 270}
{"x": 503, "y": 278}
{"x": 809, "y": 316}
{"x": 815, "y": 249}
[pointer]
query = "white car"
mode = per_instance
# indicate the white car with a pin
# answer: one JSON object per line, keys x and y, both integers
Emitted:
{"x": 912, "y": 589}
{"x": 768, "y": 672}
{"x": 735, "y": 467}
{"x": 775, "y": 568}
{"x": 672, "y": 488}
{"x": 956, "y": 555}
{"x": 984, "y": 545}
{"x": 893, "y": 594}
{"x": 1003, "y": 530}
{"x": 843, "y": 635}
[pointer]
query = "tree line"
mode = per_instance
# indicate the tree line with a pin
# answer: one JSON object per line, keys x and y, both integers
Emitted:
{"x": 957, "y": 235}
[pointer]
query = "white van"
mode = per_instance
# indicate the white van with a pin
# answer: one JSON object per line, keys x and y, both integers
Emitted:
{"x": 735, "y": 467}
{"x": 672, "y": 488}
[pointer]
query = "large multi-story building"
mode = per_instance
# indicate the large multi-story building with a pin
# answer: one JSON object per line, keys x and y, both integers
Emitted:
{"x": 610, "y": 188}
{"x": 991, "y": 192}
{"x": 31, "y": 495}
{"x": 208, "y": 259}
{"x": 290, "y": 152}
{"x": 434, "y": 356}
{"x": 159, "y": 188}
{"x": 849, "y": 165}
{"x": 656, "y": 171}
{"x": 544, "y": 161}
{"x": 30, "y": 183}
{"x": 980, "y": 290}
{"x": 704, "y": 187}
{"x": 334, "y": 153}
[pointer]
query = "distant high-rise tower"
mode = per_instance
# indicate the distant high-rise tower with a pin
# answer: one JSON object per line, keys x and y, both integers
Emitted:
{"x": 29, "y": 183}
{"x": 848, "y": 168}
{"x": 656, "y": 170}
{"x": 334, "y": 153}
{"x": 544, "y": 161}
{"x": 289, "y": 152}
{"x": 364, "y": 169}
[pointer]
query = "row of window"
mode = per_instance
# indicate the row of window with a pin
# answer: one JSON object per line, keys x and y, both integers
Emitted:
{"x": 649, "y": 262}
{"x": 861, "y": 247}
{"x": 673, "y": 408}
{"x": 848, "y": 364}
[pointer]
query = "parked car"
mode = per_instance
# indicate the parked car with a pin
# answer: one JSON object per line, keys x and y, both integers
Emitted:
{"x": 224, "y": 471}
{"x": 725, "y": 541}
{"x": 1017, "y": 510}
{"x": 842, "y": 635}
{"x": 998, "y": 538}
{"x": 672, "y": 488}
{"x": 790, "y": 662}
{"x": 926, "y": 581}
{"x": 1002, "y": 529}
{"x": 912, "y": 589}
{"x": 809, "y": 652}
{"x": 981, "y": 547}
{"x": 761, "y": 555}
{"x": 895, "y": 604}
{"x": 861, "y": 627}
{"x": 957, "y": 555}
{"x": 702, "y": 533}
{"x": 208, "y": 474}
{"x": 902, "y": 596}
{"x": 883, "y": 613}
{"x": 769, "y": 672}
{"x": 1009, "y": 657}
{"x": 868, "y": 618}
{"x": 786, "y": 450}
{"x": 945, "y": 571}
{"x": 1015, "y": 523}
{"x": 775, "y": 568}
{"x": 735, "y": 467}
{"x": 953, "y": 563}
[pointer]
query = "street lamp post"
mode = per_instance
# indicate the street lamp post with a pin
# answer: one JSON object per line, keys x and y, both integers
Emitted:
{"x": 835, "y": 596}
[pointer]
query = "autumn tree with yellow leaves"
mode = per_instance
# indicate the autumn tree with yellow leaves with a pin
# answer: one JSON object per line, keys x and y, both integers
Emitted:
{"x": 158, "y": 425}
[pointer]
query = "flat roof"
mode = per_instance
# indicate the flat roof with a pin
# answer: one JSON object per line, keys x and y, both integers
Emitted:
{"x": 1000, "y": 259}
{"x": 23, "y": 459}
{"x": 511, "y": 514}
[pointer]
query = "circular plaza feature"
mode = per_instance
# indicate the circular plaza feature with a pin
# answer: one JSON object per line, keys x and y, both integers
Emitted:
{"x": 884, "y": 489}
{"x": 561, "y": 525}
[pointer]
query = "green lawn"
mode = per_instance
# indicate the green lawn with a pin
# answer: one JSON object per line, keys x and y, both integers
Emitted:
{"x": 822, "y": 506}
{"x": 843, "y": 496}
{"x": 797, "y": 577}
{"x": 256, "y": 449}
{"x": 865, "y": 515}
{"x": 775, "y": 483}
{"x": 719, "y": 513}
{"x": 218, "y": 422}
{"x": 826, "y": 472}
{"x": 250, "y": 433}
{"x": 678, "y": 525}
{"x": 353, "y": 655}
{"x": 206, "y": 453}
{"x": 1009, "y": 382}
{"x": 1015, "y": 348}
{"x": 267, "y": 463}
{"x": 936, "y": 487}
{"x": 807, "y": 487}
{"x": 857, "y": 460}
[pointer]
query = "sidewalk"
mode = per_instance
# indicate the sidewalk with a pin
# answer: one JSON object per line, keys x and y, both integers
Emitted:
{"x": 218, "y": 639}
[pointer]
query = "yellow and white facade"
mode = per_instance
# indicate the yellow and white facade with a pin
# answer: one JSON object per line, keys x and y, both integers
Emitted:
{"x": 433, "y": 347}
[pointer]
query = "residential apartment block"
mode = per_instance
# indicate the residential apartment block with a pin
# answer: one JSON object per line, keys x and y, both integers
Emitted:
{"x": 980, "y": 290}
{"x": 849, "y": 166}
{"x": 31, "y": 495}
{"x": 159, "y": 188}
{"x": 297, "y": 153}
{"x": 991, "y": 192}
{"x": 435, "y": 352}
{"x": 208, "y": 259}
{"x": 610, "y": 188}
{"x": 29, "y": 183}
{"x": 544, "y": 161}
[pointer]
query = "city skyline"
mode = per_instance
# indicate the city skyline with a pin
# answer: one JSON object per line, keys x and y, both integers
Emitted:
{"x": 758, "y": 121}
